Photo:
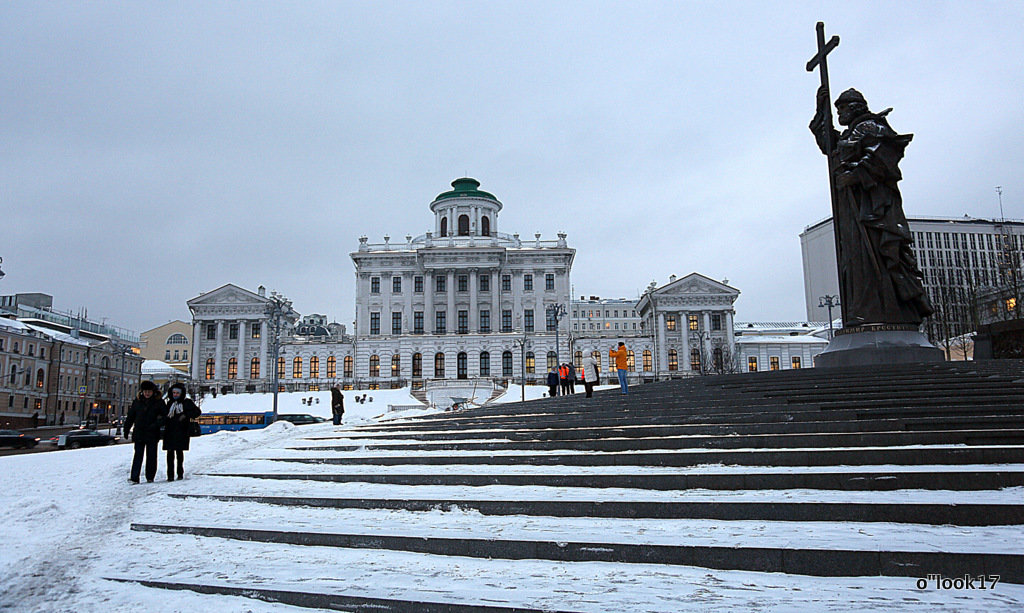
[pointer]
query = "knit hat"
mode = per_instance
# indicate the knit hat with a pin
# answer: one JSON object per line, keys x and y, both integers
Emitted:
{"x": 147, "y": 385}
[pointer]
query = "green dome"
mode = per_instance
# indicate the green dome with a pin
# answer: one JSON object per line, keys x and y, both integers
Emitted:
{"x": 465, "y": 188}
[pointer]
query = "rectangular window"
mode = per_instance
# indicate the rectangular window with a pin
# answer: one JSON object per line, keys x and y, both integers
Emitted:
{"x": 527, "y": 283}
{"x": 233, "y": 332}
{"x": 396, "y": 285}
{"x": 374, "y": 285}
{"x": 417, "y": 284}
{"x": 463, "y": 283}
{"x": 374, "y": 323}
{"x": 716, "y": 321}
{"x": 211, "y": 332}
{"x": 167, "y": 355}
{"x": 551, "y": 322}
{"x": 752, "y": 364}
{"x": 616, "y": 311}
{"x": 528, "y": 320}
{"x": 439, "y": 322}
{"x": 506, "y": 320}
{"x": 396, "y": 323}
{"x": 254, "y": 330}
{"x": 549, "y": 282}
{"x": 773, "y": 362}
{"x": 506, "y": 283}
{"x": 692, "y": 321}
{"x": 440, "y": 283}
{"x": 485, "y": 283}
{"x": 417, "y": 322}
{"x": 485, "y": 321}
{"x": 463, "y": 322}
{"x": 796, "y": 361}
{"x": 670, "y": 323}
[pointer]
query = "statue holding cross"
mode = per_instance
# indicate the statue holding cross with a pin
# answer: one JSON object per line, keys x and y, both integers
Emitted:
{"x": 879, "y": 280}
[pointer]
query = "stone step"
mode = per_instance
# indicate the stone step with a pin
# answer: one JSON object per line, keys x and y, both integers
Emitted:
{"x": 330, "y": 602}
{"x": 772, "y": 441}
{"x": 907, "y": 513}
{"x": 814, "y": 562}
{"x": 722, "y": 481}
{"x": 760, "y": 457}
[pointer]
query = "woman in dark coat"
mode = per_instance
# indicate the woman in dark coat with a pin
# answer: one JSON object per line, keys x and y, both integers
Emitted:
{"x": 337, "y": 404}
{"x": 146, "y": 415}
{"x": 180, "y": 413}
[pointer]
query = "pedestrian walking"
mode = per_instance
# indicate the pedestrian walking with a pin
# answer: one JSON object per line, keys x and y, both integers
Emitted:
{"x": 337, "y": 404}
{"x": 572, "y": 378}
{"x": 590, "y": 374}
{"x": 553, "y": 382}
{"x": 620, "y": 356}
{"x": 180, "y": 413}
{"x": 563, "y": 378}
{"x": 144, "y": 420}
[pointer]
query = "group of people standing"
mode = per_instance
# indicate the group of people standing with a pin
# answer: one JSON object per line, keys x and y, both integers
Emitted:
{"x": 151, "y": 419}
{"x": 565, "y": 376}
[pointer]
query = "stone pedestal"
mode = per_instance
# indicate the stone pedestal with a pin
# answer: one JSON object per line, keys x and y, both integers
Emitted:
{"x": 878, "y": 344}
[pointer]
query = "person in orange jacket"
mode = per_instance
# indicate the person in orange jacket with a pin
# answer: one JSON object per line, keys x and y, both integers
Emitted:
{"x": 619, "y": 355}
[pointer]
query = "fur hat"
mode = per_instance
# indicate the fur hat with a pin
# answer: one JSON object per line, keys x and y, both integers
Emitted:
{"x": 851, "y": 96}
{"x": 147, "y": 385}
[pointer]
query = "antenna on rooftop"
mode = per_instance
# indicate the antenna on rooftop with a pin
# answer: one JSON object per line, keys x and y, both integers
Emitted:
{"x": 999, "y": 194}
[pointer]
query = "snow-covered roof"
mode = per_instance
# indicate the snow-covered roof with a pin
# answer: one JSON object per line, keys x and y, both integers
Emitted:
{"x": 740, "y": 326}
{"x": 61, "y": 336}
{"x": 13, "y": 324}
{"x": 157, "y": 367}
{"x": 781, "y": 340}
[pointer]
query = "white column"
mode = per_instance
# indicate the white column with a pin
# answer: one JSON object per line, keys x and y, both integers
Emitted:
{"x": 707, "y": 340}
{"x": 408, "y": 285}
{"x": 495, "y": 300}
{"x": 197, "y": 333}
{"x": 265, "y": 361}
{"x": 218, "y": 373}
{"x": 428, "y": 300}
{"x": 450, "y": 319}
{"x": 243, "y": 368}
{"x": 662, "y": 340}
{"x": 474, "y": 313}
{"x": 684, "y": 351}
{"x": 731, "y": 338}
{"x": 385, "y": 310}
{"x": 517, "y": 297}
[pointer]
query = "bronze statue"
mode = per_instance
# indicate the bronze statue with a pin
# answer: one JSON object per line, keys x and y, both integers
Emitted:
{"x": 879, "y": 280}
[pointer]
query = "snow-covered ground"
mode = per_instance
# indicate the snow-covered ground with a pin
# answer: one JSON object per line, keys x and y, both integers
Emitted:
{"x": 65, "y": 517}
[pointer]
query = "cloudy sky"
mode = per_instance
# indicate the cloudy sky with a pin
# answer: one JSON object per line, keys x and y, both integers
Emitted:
{"x": 151, "y": 151}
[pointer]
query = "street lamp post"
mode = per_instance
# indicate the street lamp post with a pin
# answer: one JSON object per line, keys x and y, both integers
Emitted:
{"x": 522, "y": 342}
{"x": 556, "y": 312}
{"x": 703, "y": 337}
{"x": 829, "y": 302}
{"x": 277, "y": 308}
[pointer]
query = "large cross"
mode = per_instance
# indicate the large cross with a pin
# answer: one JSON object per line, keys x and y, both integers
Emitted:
{"x": 820, "y": 61}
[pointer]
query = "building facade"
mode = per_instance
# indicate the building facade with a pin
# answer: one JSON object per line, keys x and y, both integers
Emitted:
{"x": 170, "y": 343}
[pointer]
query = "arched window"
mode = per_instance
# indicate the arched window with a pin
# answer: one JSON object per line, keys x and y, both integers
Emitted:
{"x": 14, "y": 374}
{"x": 444, "y": 226}
{"x": 374, "y": 366}
{"x": 552, "y": 360}
{"x": 209, "y": 369}
{"x": 177, "y": 339}
{"x": 332, "y": 367}
{"x": 314, "y": 367}
{"x": 577, "y": 359}
{"x": 297, "y": 368}
{"x": 463, "y": 225}
{"x": 254, "y": 368}
{"x": 396, "y": 366}
{"x": 417, "y": 365}
{"x": 647, "y": 360}
{"x": 485, "y": 226}
{"x": 485, "y": 364}
{"x": 40, "y": 375}
{"x": 347, "y": 367}
{"x": 105, "y": 362}
{"x": 531, "y": 363}
{"x": 232, "y": 368}
{"x": 506, "y": 364}
{"x": 695, "y": 359}
{"x": 280, "y": 368}
{"x": 597, "y": 358}
{"x": 673, "y": 359}
{"x": 716, "y": 359}
{"x": 439, "y": 365}
{"x": 462, "y": 365}
{"x": 630, "y": 361}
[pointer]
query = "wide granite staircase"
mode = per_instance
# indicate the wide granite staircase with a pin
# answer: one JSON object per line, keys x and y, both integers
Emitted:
{"x": 761, "y": 490}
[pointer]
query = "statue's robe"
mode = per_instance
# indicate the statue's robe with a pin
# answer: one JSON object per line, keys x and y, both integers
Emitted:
{"x": 879, "y": 280}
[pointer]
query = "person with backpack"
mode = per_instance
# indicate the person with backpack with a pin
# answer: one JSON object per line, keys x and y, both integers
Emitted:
{"x": 144, "y": 420}
{"x": 180, "y": 413}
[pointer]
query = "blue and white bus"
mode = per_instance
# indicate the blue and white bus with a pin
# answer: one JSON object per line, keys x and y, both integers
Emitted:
{"x": 214, "y": 422}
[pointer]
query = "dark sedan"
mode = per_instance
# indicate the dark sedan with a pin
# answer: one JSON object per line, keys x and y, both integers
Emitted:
{"x": 300, "y": 419}
{"x": 13, "y": 438}
{"x": 84, "y": 438}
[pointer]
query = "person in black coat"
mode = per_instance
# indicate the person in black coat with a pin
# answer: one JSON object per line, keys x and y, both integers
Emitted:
{"x": 146, "y": 415}
{"x": 553, "y": 383}
{"x": 337, "y": 404}
{"x": 180, "y": 413}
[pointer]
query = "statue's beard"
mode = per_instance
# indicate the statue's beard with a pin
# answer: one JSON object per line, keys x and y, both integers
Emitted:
{"x": 845, "y": 118}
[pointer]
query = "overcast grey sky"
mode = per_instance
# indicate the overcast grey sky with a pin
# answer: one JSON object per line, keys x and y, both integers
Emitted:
{"x": 151, "y": 151}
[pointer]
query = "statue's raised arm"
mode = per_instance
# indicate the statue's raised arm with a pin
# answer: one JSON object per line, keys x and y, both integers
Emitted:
{"x": 821, "y": 124}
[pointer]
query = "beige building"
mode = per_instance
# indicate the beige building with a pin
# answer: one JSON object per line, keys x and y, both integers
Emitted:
{"x": 170, "y": 343}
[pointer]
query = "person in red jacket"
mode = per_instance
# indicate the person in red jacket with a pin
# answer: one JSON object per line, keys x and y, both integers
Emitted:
{"x": 619, "y": 355}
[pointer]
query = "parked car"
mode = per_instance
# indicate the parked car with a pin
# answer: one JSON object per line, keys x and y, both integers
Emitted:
{"x": 13, "y": 438}
{"x": 84, "y": 438}
{"x": 300, "y": 419}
